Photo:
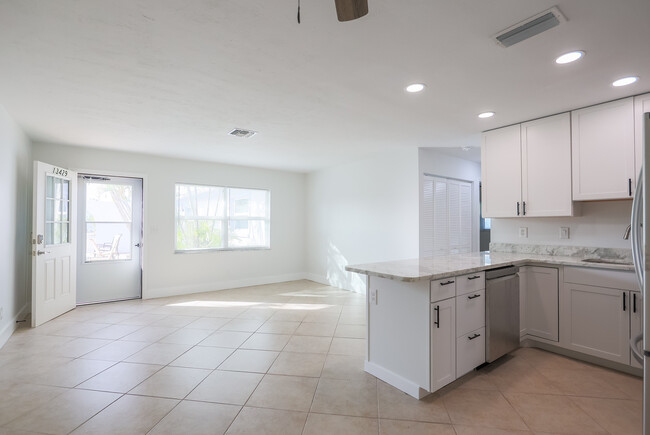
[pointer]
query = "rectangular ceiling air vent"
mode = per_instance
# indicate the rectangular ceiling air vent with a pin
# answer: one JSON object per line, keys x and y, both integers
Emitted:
{"x": 530, "y": 27}
{"x": 240, "y": 132}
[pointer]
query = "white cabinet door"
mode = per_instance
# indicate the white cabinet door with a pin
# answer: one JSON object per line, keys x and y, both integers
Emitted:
{"x": 542, "y": 302}
{"x": 641, "y": 106}
{"x": 602, "y": 145}
{"x": 596, "y": 321}
{"x": 636, "y": 322}
{"x": 443, "y": 343}
{"x": 546, "y": 166}
{"x": 470, "y": 312}
{"x": 501, "y": 172}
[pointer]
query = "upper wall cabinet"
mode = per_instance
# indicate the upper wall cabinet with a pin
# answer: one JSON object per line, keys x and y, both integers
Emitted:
{"x": 546, "y": 166}
{"x": 602, "y": 144}
{"x": 501, "y": 172}
{"x": 526, "y": 169}
{"x": 641, "y": 106}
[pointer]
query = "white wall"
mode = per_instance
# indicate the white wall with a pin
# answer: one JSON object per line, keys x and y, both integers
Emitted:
{"x": 167, "y": 273}
{"x": 600, "y": 224}
{"x": 15, "y": 191}
{"x": 433, "y": 162}
{"x": 364, "y": 211}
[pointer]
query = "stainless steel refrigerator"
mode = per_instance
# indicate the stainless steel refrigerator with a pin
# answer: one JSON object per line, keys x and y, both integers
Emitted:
{"x": 640, "y": 241}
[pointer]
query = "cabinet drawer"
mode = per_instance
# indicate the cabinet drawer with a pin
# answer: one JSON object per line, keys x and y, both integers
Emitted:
{"x": 470, "y": 312}
{"x": 443, "y": 289}
{"x": 470, "y": 351}
{"x": 470, "y": 283}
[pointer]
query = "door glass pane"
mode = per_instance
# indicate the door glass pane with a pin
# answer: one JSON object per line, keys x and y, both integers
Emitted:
{"x": 49, "y": 234}
{"x": 57, "y": 211}
{"x": 58, "y": 190}
{"x": 57, "y": 234}
{"x": 49, "y": 210}
{"x": 49, "y": 191}
{"x": 65, "y": 233}
{"x": 64, "y": 211}
{"x": 66, "y": 189}
{"x": 108, "y": 241}
{"x": 108, "y": 202}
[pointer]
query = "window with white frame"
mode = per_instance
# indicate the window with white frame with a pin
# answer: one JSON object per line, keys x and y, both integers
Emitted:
{"x": 216, "y": 217}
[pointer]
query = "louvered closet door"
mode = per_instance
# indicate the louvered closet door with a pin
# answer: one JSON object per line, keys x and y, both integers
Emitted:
{"x": 447, "y": 216}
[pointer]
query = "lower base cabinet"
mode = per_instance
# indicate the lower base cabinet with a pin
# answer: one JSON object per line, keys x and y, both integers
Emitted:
{"x": 539, "y": 301}
{"x": 443, "y": 343}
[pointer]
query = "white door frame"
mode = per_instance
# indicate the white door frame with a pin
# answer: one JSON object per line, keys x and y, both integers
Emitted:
{"x": 145, "y": 215}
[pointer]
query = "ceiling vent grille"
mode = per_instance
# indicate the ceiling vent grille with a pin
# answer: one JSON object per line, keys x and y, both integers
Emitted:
{"x": 240, "y": 132}
{"x": 530, "y": 27}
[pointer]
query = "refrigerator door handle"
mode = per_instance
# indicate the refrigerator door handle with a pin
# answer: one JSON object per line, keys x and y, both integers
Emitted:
{"x": 634, "y": 347}
{"x": 637, "y": 232}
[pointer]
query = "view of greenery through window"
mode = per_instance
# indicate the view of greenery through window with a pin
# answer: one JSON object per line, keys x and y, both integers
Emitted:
{"x": 213, "y": 217}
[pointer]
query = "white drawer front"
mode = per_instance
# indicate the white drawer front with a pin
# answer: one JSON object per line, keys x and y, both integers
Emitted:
{"x": 443, "y": 289}
{"x": 470, "y": 351}
{"x": 470, "y": 283}
{"x": 470, "y": 312}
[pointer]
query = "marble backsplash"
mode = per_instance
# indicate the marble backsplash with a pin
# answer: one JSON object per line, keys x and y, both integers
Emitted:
{"x": 564, "y": 251}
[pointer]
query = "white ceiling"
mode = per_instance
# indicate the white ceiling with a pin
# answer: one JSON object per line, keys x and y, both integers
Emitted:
{"x": 172, "y": 77}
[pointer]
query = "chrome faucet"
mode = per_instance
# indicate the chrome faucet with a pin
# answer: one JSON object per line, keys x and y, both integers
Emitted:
{"x": 626, "y": 234}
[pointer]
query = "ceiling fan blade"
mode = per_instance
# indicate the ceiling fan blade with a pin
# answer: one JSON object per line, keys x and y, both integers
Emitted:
{"x": 348, "y": 10}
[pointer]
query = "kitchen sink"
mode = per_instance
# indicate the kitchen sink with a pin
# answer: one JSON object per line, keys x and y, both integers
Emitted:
{"x": 606, "y": 261}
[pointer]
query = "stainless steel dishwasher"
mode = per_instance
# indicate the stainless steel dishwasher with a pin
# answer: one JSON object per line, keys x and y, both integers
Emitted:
{"x": 501, "y": 311}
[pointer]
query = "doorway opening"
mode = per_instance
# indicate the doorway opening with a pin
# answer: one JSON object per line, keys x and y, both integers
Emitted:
{"x": 110, "y": 230}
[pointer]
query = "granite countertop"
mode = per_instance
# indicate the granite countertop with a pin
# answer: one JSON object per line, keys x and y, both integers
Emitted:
{"x": 419, "y": 269}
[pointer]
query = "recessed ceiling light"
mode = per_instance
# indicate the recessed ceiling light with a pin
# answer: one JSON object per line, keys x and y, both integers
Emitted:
{"x": 486, "y": 115}
{"x": 570, "y": 57}
{"x": 415, "y": 87}
{"x": 625, "y": 81}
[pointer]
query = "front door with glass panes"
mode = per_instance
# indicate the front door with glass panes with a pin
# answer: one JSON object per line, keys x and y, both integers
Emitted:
{"x": 53, "y": 242}
{"x": 110, "y": 238}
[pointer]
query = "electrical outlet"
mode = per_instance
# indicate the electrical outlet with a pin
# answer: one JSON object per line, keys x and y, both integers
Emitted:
{"x": 523, "y": 232}
{"x": 373, "y": 296}
{"x": 564, "y": 232}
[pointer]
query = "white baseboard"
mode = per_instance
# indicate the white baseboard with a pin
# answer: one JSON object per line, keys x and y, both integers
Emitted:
{"x": 10, "y": 327}
{"x": 221, "y": 285}
{"x": 321, "y": 279}
{"x": 395, "y": 380}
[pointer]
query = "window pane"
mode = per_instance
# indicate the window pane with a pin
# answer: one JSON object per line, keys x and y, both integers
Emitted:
{"x": 108, "y": 202}
{"x": 248, "y": 234}
{"x": 66, "y": 189}
{"x": 199, "y": 234}
{"x": 249, "y": 203}
{"x": 200, "y": 201}
{"x": 108, "y": 241}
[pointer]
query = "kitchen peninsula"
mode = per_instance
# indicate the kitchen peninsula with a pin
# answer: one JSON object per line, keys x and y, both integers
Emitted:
{"x": 426, "y": 317}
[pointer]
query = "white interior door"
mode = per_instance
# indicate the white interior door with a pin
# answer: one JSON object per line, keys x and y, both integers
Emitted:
{"x": 110, "y": 239}
{"x": 53, "y": 242}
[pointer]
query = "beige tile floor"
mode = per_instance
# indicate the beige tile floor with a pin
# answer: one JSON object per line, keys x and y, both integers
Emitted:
{"x": 276, "y": 359}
